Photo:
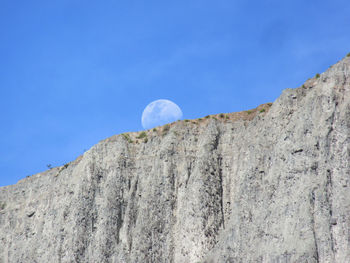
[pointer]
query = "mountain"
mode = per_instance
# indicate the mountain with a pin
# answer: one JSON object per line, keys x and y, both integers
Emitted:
{"x": 267, "y": 185}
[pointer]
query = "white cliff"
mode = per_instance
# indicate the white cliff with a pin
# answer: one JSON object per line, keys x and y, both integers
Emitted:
{"x": 267, "y": 185}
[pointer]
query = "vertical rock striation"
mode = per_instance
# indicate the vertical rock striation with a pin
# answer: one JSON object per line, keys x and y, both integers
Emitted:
{"x": 272, "y": 186}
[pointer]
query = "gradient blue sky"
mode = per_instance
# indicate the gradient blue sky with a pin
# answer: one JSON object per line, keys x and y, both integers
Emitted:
{"x": 75, "y": 72}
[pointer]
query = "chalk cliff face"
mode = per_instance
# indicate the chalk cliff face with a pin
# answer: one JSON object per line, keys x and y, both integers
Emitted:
{"x": 267, "y": 185}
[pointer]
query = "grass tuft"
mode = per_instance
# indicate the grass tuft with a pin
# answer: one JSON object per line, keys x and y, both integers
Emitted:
{"x": 142, "y": 135}
{"x": 127, "y": 137}
{"x": 166, "y": 129}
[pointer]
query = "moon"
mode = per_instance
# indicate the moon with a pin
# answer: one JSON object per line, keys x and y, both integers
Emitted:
{"x": 160, "y": 112}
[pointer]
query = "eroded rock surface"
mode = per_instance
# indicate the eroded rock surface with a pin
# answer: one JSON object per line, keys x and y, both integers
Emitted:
{"x": 271, "y": 187}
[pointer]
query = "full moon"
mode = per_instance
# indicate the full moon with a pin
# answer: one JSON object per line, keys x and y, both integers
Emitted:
{"x": 160, "y": 112}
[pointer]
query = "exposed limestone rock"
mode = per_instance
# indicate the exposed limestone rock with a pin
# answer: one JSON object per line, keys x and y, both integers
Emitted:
{"x": 271, "y": 185}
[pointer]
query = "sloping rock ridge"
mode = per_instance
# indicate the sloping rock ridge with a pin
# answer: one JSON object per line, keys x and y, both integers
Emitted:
{"x": 267, "y": 185}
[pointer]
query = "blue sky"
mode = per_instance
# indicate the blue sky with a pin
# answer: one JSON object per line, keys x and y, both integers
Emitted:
{"x": 75, "y": 72}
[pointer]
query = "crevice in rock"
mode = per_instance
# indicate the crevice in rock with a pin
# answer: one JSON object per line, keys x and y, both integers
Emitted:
{"x": 219, "y": 167}
{"x": 297, "y": 151}
{"x": 30, "y": 214}
{"x": 329, "y": 202}
{"x": 330, "y": 130}
{"x": 221, "y": 191}
{"x": 329, "y": 183}
{"x": 133, "y": 210}
{"x": 216, "y": 140}
{"x": 189, "y": 171}
{"x": 60, "y": 245}
{"x": 312, "y": 204}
